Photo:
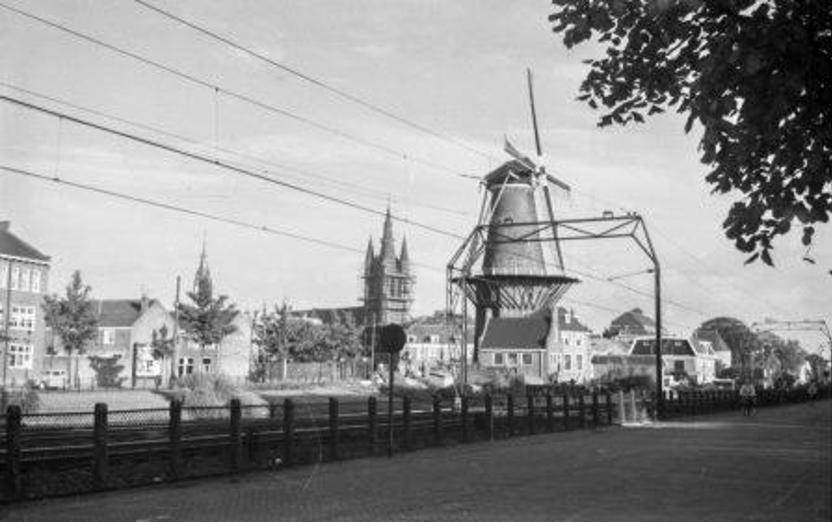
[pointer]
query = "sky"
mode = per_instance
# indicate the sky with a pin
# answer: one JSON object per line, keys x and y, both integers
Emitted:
{"x": 455, "y": 68}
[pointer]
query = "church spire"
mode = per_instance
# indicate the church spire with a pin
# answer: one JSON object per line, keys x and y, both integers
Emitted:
{"x": 369, "y": 256}
{"x": 404, "y": 258}
{"x": 203, "y": 273}
{"x": 388, "y": 247}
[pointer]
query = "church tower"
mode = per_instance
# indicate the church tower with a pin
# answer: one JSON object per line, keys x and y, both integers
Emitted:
{"x": 388, "y": 282}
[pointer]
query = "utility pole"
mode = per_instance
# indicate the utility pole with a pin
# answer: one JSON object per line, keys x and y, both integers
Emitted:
{"x": 174, "y": 350}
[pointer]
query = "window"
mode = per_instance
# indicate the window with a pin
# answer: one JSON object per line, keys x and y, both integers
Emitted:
{"x": 578, "y": 341}
{"x": 527, "y": 358}
{"x": 22, "y": 317}
{"x": 25, "y": 277}
{"x": 679, "y": 366}
{"x": 186, "y": 366}
{"x": 499, "y": 359}
{"x": 206, "y": 364}
{"x": 579, "y": 361}
{"x": 567, "y": 362}
{"x": 20, "y": 356}
{"x": 566, "y": 340}
{"x": 108, "y": 336}
{"x": 512, "y": 359}
{"x": 4, "y": 274}
{"x": 36, "y": 280}
{"x": 15, "y": 278}
{"x": 411, "y": 338}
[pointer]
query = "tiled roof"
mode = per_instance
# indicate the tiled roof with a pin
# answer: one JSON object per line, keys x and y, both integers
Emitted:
{"x": 669, "y": 347}
{"x": 334, "y": 315}
{"x": 716, "y": 340}
{"x": 13, "y": 246}
{"x": 516, "y": 332}
{"x": 573, "y": 325}
{"x": 114, "y": 313}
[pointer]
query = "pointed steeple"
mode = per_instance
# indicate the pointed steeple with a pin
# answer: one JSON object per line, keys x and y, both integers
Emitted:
{"x": 203, "y": 273}
{"x": 404, "y": 258}
{"x": 388, "y": 247}
{"x": 368, "y": 257}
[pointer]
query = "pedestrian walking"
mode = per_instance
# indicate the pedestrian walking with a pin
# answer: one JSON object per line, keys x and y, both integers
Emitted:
{"x": 813, "y": 392}
{"x": 748, "y": 396}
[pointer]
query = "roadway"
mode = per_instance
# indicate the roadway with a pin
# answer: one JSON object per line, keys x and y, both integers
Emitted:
{"x": 774, "y": 466}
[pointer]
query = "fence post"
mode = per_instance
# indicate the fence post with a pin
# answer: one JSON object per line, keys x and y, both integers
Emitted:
{"x": 372, "y": 409}
{"x": 235, "y": 433}
{"x": 99, "y": 474}
{"x": 596, "y": 414}
{"x": 175, "y": 436}
{"x": 333, "y": 428}
{"x": 13, "y": 443}
{"x": 288, "y": 431}
{"x": 510, "y": 414}
{"x": 272, "y": 410}
{"x": 437, "y": 421}
{"x": 406, "y": 409}
{"x": 565, "y": 410}
{"x": 633, "y": 409}
{"x": 581, "y": 410}
{"x": 530, "y": 412}
{"x": 489, "y": 416}
{"x": 466, "y": 436}
{"x": 550, "y": 413}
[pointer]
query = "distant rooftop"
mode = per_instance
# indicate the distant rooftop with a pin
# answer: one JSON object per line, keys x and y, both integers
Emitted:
{"x": 13, "y": 246}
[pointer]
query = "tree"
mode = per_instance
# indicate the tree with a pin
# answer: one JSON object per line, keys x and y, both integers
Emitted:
{"x": 73, "y": 318}
{"x": 207, "y": 320}
{"x": 161, "y": 344}
{"x": 757, "y": 75}
{"x": 818, "y": 364}
{"x": 738, "y": 336}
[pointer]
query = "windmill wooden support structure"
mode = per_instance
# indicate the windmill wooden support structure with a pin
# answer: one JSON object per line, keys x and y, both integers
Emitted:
{"x": 467, "y": 279}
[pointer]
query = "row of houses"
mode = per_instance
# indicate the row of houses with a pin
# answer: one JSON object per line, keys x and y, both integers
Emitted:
{"x": 550, "y": 345}
{"x": 555, "y": 346}
{"x": 121, "y": 354}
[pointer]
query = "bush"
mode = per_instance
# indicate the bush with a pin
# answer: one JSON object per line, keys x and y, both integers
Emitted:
{"x": 204, "y": 390}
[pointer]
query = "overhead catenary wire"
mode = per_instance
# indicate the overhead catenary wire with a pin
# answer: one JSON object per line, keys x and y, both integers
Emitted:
{"x": 312, "y": 80}
{"x": 177, "y": 208}
{"x": 376, "y": 194}
{"x": 221, "y": 164}
{"x": 259, "y": 176}
{"x": 241, "y": 97}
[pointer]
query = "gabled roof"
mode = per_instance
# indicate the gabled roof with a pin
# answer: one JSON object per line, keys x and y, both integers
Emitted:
{"x": 716, "y": 340}
{"x": 669, "y": 347}
{"x": 516, "y": 333}
{"x": 334, "y": 315}
{"x": 572, "y": 325}
{"x": 13, "y": 246}
{"x": 119, "y": 313}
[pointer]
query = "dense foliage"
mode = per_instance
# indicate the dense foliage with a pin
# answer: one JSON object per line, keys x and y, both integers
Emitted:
{"x": 207, "y": 319}
{"x": 72, "y": 318}
{"x": 281, "y": 336}
{"x": 757, "y": 76}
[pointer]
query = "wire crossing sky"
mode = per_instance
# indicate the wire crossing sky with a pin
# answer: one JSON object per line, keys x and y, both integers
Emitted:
{"x": 437, "y": 83}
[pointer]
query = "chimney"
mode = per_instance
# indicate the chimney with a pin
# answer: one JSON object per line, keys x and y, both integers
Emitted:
{"x": 145, "y": 303}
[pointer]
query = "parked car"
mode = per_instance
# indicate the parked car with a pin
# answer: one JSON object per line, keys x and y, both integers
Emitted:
{"x": 52, "y": 380}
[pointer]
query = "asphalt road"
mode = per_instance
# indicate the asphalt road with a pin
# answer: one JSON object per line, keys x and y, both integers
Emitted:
{"x": 774, "y": 466}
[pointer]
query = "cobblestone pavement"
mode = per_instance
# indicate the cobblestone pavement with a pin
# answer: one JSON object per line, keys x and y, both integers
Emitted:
{"x": 774, "y": 466}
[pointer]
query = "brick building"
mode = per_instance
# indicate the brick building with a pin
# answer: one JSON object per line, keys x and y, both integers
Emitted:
{"x": 24, "y": 280}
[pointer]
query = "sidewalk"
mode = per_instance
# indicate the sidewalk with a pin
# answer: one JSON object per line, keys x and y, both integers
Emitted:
{"x": 775, "y": 466}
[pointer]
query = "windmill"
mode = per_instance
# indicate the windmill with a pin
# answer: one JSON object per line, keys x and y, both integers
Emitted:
{"x": 511, "y": 265}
